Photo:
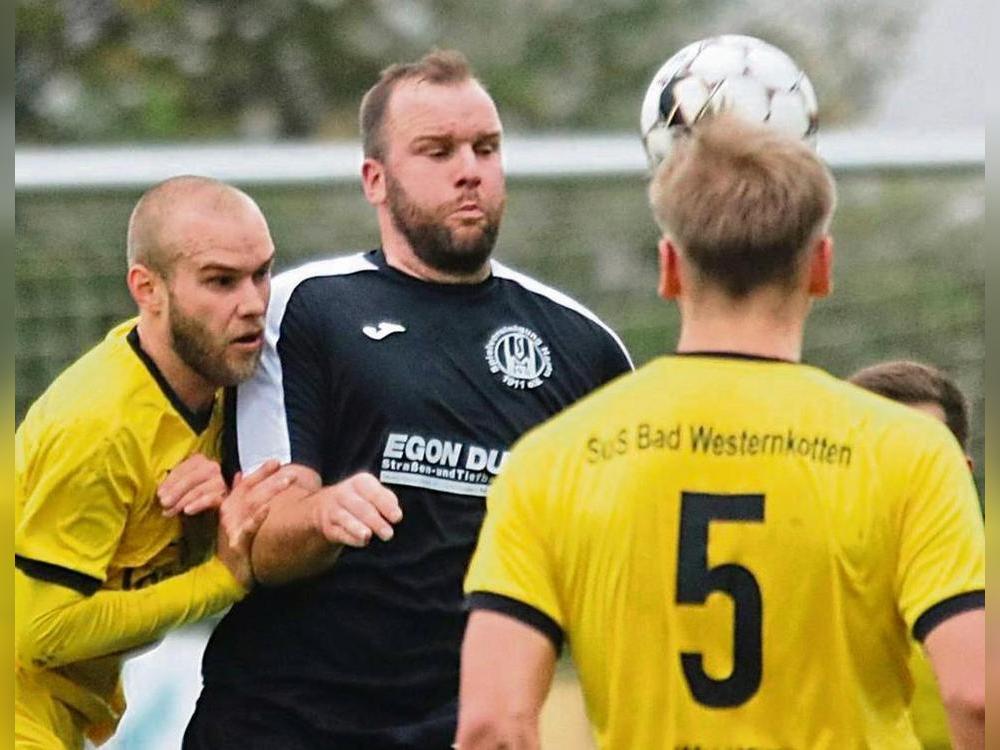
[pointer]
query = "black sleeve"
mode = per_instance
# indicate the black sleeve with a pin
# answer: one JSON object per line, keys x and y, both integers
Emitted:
{"x": 306, "y": 378}
{"x": 617, "y": 360}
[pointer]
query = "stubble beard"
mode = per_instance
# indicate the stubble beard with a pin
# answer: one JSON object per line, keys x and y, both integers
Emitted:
{"x": 198, "y": 349}
{"x": 434, "y": 243}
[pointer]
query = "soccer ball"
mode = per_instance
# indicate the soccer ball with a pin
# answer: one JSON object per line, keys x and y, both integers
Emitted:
{"x": 741, "y": 74}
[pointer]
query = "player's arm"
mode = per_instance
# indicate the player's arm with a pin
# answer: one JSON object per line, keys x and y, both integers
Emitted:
{"x": 507, "y": 669}
{"x": 308, "y": 524}
{"x": 956, "y": 649}
{"x": 515, "y": 630}
{"x": 941, "y": 581}
{"x": 64, "y": 616}
{"x": 285, "y": 411}
{"x": 61, "y": 625}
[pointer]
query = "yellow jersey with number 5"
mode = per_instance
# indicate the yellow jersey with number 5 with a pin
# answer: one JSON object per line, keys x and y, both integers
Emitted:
{"x": 736, "y": 550}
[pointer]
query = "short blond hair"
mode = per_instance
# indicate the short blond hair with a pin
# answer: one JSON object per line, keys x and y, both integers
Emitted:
{"x": 743, "y": 202}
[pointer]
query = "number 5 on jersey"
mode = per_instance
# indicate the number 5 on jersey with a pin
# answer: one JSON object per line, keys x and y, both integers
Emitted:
{"x": 695, "y": 581}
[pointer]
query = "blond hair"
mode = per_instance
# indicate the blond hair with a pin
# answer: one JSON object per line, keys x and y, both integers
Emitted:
{"x": 743, "y": 202}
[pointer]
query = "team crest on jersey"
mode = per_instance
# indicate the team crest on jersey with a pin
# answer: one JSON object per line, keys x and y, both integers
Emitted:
{"x": 519, "y": 356}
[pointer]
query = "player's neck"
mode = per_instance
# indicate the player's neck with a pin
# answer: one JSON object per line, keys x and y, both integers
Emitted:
{"x": 766, "y": 323}
{"x": 194, "y": 391}
{"x": 778, "y": 339}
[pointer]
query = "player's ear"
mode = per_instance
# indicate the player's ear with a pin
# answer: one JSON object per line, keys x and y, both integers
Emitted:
{"x": 146, "y": 287}
{"x": 821, "y": 267}
{"x": 670, "y": 272}
{"x": 373, "y": 181}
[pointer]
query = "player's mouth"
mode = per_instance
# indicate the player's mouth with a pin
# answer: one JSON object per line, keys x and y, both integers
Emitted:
{"x": 470, "y": 211}
{"x": 249, "y": 341}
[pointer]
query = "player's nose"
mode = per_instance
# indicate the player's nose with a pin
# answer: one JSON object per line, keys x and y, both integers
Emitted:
{"x": 253, "y": 300}
{"x": 468, "y": 169}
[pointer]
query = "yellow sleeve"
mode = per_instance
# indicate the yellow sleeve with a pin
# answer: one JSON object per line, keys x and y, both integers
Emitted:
{"x": 512, "y": 564}
{"x": 941, "y": 568}
{"x": 57, "y": 625}
{"x": 75, "y": 512}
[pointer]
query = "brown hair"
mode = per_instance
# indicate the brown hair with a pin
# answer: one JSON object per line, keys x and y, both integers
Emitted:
{"x": 743, "y": 202}
{"x": 438, "y": 66}
{"x": 916, "y": 383}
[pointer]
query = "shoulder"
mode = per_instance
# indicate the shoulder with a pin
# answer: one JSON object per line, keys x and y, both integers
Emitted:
{"x": 904, "y": 428}
{"x": 898, "y": 445}
{"x": 564, "y": 436}
{"x": 559, "y": 302}
{"x": 97, "y": 405}
{"x": 293, "y": 281}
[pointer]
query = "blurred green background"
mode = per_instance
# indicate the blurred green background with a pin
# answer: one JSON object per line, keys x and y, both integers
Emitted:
{"x": 111, "y": 70}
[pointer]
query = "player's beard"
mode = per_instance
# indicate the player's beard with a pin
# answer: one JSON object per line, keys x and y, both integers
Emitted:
{"x": 435, "y": 243}
{"x": 206, "y": 354}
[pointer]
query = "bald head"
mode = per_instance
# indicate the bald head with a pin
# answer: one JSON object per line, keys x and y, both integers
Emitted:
{"x": 157, "y": 227}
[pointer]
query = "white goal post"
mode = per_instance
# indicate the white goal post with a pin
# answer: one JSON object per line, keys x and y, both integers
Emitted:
{"x": 551, "y": 156}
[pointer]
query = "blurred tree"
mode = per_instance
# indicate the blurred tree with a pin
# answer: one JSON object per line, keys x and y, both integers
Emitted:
{"x": 109, "y": 70}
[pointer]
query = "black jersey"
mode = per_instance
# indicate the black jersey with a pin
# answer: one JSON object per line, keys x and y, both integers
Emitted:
{"x": 426, "y": 386}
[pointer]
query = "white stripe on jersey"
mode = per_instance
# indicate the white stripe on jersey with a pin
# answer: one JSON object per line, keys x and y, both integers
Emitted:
{"x": 503, "y": 272}
{"x": 261, "y": 426}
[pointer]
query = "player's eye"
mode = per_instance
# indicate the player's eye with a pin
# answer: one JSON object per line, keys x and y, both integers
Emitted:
{"x": 221, "y": 282}
{"x": 487, "y": 147}
{"x": 261, "y": 274}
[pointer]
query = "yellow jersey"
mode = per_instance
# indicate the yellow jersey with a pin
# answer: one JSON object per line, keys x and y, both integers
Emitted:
{"x": 88, "y": 458}
{"x": 737, "y": 551}
{"x": 930, "y": 720}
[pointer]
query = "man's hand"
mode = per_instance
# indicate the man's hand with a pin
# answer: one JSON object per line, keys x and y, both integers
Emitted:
{"x": 242, "y": 513}
{"x": 193, "y": 486}
{"x": 350, "y": 511}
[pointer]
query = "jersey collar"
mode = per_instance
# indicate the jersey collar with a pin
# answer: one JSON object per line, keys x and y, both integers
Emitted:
{"x": 737, "y": 355}
{"x": 197, "y": 420}
{"x": 460, "y": 290}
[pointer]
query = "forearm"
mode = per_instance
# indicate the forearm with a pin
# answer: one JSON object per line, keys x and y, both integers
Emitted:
{"x": 507, "y": 670}
{"x": 968, "y": 728}
{"x": 61, "y": 626}
{"x": 288, "y": 546}
{"x": 957, "y": 651}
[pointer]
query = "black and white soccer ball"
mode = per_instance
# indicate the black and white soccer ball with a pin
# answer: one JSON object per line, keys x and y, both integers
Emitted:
{"x": 740, "y": 74}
